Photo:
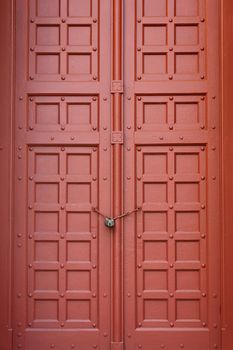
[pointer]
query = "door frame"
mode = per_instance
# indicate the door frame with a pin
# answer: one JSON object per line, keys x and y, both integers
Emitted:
{"x": 7, "y": 38}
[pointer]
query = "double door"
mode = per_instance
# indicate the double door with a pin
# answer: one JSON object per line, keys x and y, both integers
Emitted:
{"x": 116, "y": 112}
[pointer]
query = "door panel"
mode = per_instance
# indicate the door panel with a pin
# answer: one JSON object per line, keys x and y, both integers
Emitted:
{"x": 171, "y": 266}
{"x": 62, "y": 249}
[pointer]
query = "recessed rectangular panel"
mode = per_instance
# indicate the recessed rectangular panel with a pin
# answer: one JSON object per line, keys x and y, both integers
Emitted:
{"x": 46, "y": 310}
{"x": 187, "y": 63}
{"x": 47, "y": 113}
{"x": 47, "y": 35}
{"x": 79, "y": 64}
{"x": 188, "y": 310}
{"x": 155, "y": 222}
{"x": 188, "y": 280}
{"x": 78, "y": 222}
{"x": 46, "y": 193}
{"x": 46, "y": 164}
{"x": 155, "y": 113}
{"x": 186, "y": 113}
{"x": 79, "y": 35}
{"x": 155, "y": 63}
{"x": 187, "y": 163}
{"x": 155, "y": 309}
{"x": 187, "y": 250}
{"x": 155, "y": 280}
{"x": 79, "y": 113}
{"x": 187, "y": 34}
{"x": 188, "y": 192}
{"x": 155, "y": 250}
{"x": 47, "y": 8}
{"x": 78, "y": 280}
{"x": 47, "y": 63}
{"x": 155, "y": 8}
{"x": 184, "y": 8}
{"x": 155, "y": 35}
{"x": 46, "y": 251}
{"x": 188, "y": 221}
{"x": 78, "y": 251}
{"x": 78, "y": 193}
{"x": 155, "y": 192}
{"x": 155, "y": 163}
{"x": 46, "y": 221}
{"x": 79, "y": 8}
{"x": 78, "y": 164}
{"x": 46, "y": 280}
{"x": 78, "y": 310}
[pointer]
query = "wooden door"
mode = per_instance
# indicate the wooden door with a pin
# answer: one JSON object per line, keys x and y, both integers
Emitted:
{"x": 171, "y": 111}
{"x": 62, "y": 253}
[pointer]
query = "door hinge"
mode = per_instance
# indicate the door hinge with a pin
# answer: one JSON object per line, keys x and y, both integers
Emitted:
{"x": 117, "y": 137}
{"x": 117, "y": 346}
{"x": 117, "y": 87}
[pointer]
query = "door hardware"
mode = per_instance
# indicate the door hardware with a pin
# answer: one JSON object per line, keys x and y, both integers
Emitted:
{"x": 110, "y": 221}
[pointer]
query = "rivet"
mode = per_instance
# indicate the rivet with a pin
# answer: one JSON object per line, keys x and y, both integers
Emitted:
{"x": 94, "y": 128}
{"x": 62, "y": 266}
{"x": 203, "y": 236}
{"x": 63, "y": 127}
{"x": 63, "y": 49}
{"x": 171, "y": 127}
{"x": 213, "y": 148}
{"x": 203, "y": 265}
{"x": 139, "y": 77}
{"x": 20, "y": 127}
{"x": 202, "y": 48}
{"x": 31, "y": 78}
{"x": 203, "y": 206}
{"x": 202, "y": 148}
{"x": 94, "y": 178}
{"x": 21, "y": 98}
{"x": 19, "y": 245}
{"x": 204, "y": 324}
{"x": 202, "y": 126}
{"x": 94, "y": 77}
{"x": 105, "y": 98}
{"x": 203, "y": 178}
{"x": 29, "y": 324}
{"x": 171, "y": 206}
{"x": 105, "y": 334}
{"x": 171, "y": 177}
{"x": 128, "y": 149}
{"x": 139, "y": 346}
{"x": 31, "y": 128}
{"x": 72, "y": 138}
{"x": 62, "y": 236}
{"x": 62, "y": 324}
{"x": 181, "y": 137}
{"x": 19, "y": 346}
{"x": 170, "y": 148}
{"x": 171, "y": 324}
{"x": 63, "y": 20}
{"x": 94, "y": 266}
{"x": 202, "y": 77}
{"x": 94, "y": 295}
{"x": 62, "y": 178}
{"x": 72, "y": 346}
{"x": 19, "y": 324}
{"x": 139, "y": 127}
{"x": 215, "y": 325}
{"x": 32, "y": 20}
{"x": 105, "y": 295}
{"x": 215, "y": 346}
{"x": 139, "y": 236}
{"x": 139, "y": 266}
{"x": 139, "y": 149}
{"x": 63, "y": 77}
{"x": 30, "y": 207}
{"x": 139, "y": 295}
{"x": 93, "y": 325}
{"x": 20, "y": 178}
{"x": 95, "y": 20}
{"x": 128, "y": 295}
{"x": 19, "y": 235}
{"x": 32, "y": 49}
{"x": 31, "y": 99}
{"x": 162, "y": 346}
{"x": 171, "y": 295}
{"x": 171, "y": 265}
{"x": 94, "y": 346}
{"x": 139, "y": 98}
{"x": 213, "y": 127}
{"x": 214, "y": 295}
{"x": 139, "y": 324}
{"x": 51, "y": 138}
{"x": 105, "y": 149}
{"x": 214, "y": 177}
{"x": 94, "y": 48}
{"x": 30, "y": 266}
{"x": 171, "y": 236}
{"x": 62, "y": 295}
{"x": 171, "y": 98}
{"x": 170, "y": 48}
{"x": 161, "y": 138}
{"x": 128, "y": 127}
{"x": 30, "y": 236}
{"x": 94, "y": 149}
{"x": 19, "y": 156}
{"x": 94, "y": 98}
{"x": 94, "y": 236}
{"x": 19, "y": 295}
{"x": 128, "y": 178}
{"x": 170, "y": 20}
{"x": 139, "y": 178}
{"x": 105, "y": 178}
{"x": 30, "y": 295}
{"x": 203, "y": 98}
{"x": 181, "y": 346}
{"x": 204, "y": 295}
{"x": 139, "y": 49}
{"x": 63, "y": 149}
{"x": 202, "y": 19}
{"x": 62, "y": 98}
{"x": 139, "y": 20}
{"x": 213, "y": 97}
{"x": 170, "y": 77}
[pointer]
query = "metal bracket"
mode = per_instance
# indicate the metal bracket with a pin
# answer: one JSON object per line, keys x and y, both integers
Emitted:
{"x": 117, "y": 87}
{"x": 117, "y": 137}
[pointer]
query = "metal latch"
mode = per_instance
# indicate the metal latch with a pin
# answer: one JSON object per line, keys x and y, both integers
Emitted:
{"x": 110, "y": 221}
{"x": 117, "y": 137}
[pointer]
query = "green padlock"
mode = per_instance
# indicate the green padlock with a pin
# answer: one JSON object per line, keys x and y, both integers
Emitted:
{"x": 109, "y": 222}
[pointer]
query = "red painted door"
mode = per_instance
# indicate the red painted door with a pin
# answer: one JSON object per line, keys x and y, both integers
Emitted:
{"x": 116, "y": 113}
{"x": 171, "y": 111}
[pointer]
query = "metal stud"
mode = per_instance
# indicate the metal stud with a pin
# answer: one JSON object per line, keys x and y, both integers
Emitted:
{"x": 203, "y": 206}
{"x": 139, "y": 20}
{"x": 171, "y": 265}
{"x": 94, "y": 266}
{"x": 63, "y": 127}
{"x": 139, "y": 98}
{"x": 170, "y": 148}
{"x": 171, "y": 177}
{"x": 161, "y": 138}
{"x": 139, "y": 236}
{"x": 72, "y": 138}
{"x": 171, "y": 98}
{"x": 93, "y": 325}
{"x": 32, "y": 20}
{"x": 204, "y": 295}
{"x": 139, "y": 266}
{"x": 162, "y": 346}
{"x": 213, "y": 148}
{"x": 63, "y": 20}
{"x": 139, "y": 77}
{"x": 171, "y": 324}
{"x": 31, "y": 78}
{"x": 215, "y": 346}
{"x": 139, "y": 324}
{"x": 62, "y": 266}
{"x": 170, "y": 20}
{"x": 94, "y": 48}
{"x": 203, "y": 178}
{"x": 139, "y": 127}
{"x": 30, "y": 236}
{"x": 63, "y": 77}
{"x": 72, "y": 346}
{"x": 62, "y": 295}
{"x": 95, "y": 20}
{"x": 20, "y": 178}
{"x": 128, "y": 295}
{"x": 32, "y": 49}
{"x": 21, "y": 98}
{"x": 139, "y": 48}
{"x": 181, "y": 137}
{"x": 20, "y": 127}
{"x": 94, "y": 236}
{"x": 105, "y": 334}
{"x": 202, "y": 77}
{"x": 94, "y": 77}
{"x": 94, "y": 128}
{"x": 139, "y": 295}
{"x": 139, "y": 346}
{"x": 62, "y": 98}
{"x": 105, "y": 98}
{"x": 171, "y": 236}
{"x": 62, "y": 324}
{"x": 202, "y": 19}
{"x": 170, "y": 77}
{"x": 171, "y": 295}
{"x": 202, "y": 126}
{"x": 51, "y": 138}
{"x": 171, "y": 127}
{"x": 203, "y": 236}
{"x": 204, "y": 324}
{"x": 203, "y": 265}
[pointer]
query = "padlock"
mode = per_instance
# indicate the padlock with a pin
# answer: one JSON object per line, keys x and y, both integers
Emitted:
{"x": 109, "y": 222}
